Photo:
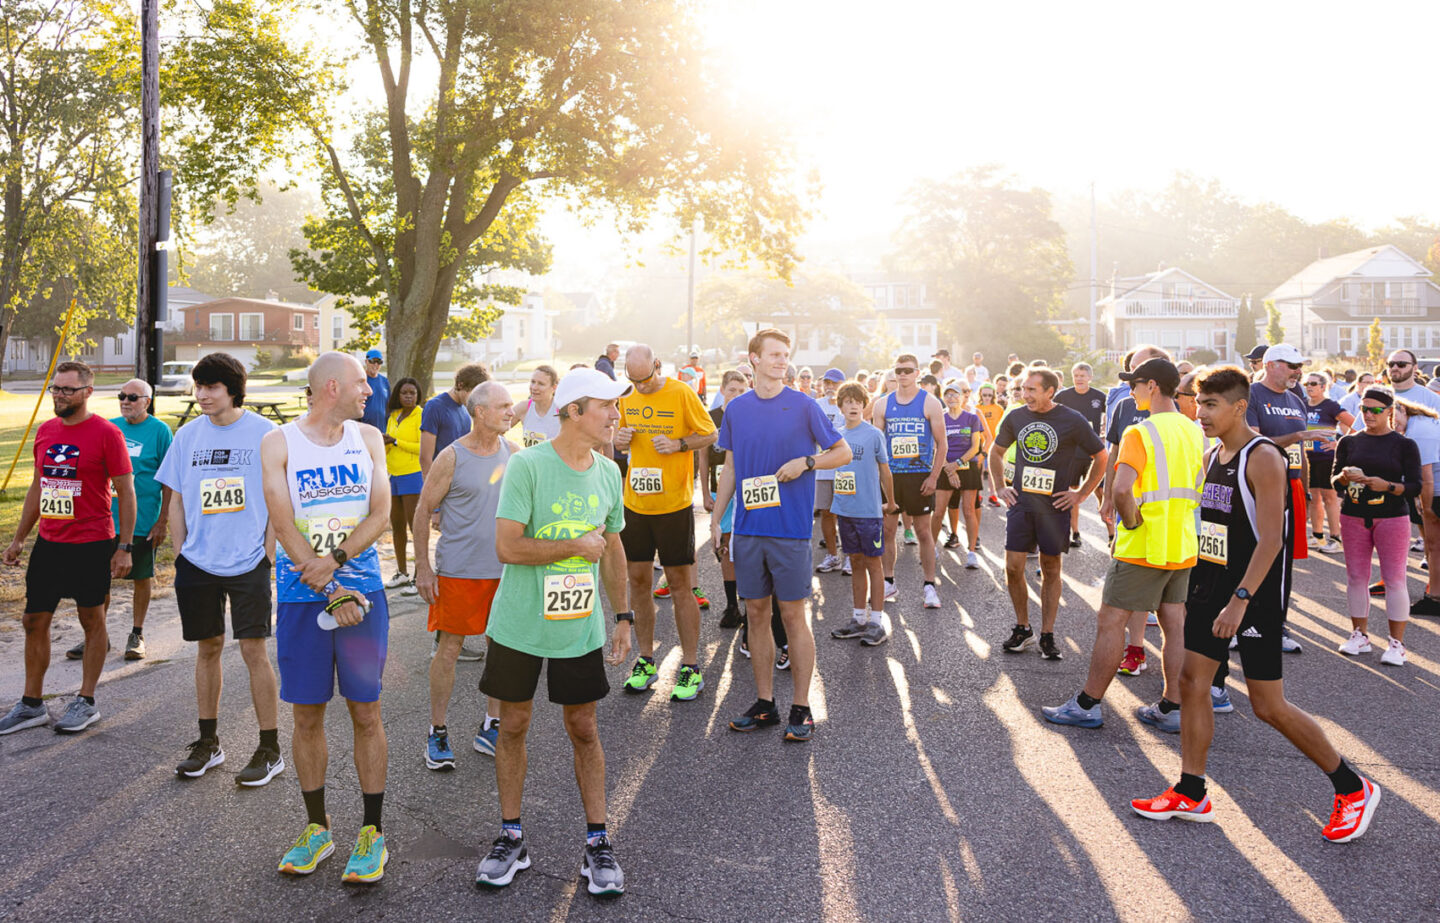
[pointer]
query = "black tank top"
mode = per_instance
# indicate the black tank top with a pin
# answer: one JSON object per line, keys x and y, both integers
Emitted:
{"x": 1229, "y": 535}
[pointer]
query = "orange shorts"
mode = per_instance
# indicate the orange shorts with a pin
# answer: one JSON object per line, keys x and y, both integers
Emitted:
{"x": 463, "y": 606}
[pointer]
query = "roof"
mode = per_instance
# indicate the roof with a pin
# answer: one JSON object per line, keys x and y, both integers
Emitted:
{"x": 256, "y": 304}
{"x": 1149, "y": 284}
{"x": 184, "y": 295}
{"x": 1309, "y": 281}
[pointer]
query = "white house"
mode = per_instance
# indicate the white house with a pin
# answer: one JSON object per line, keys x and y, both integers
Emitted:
{"x": 1169, "y": 308}
{"x": 524, "y": 331}
{"x": 908, "y": 309}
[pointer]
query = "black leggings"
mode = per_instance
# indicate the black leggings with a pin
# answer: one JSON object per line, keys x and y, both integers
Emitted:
{"x": 777, "y": 627}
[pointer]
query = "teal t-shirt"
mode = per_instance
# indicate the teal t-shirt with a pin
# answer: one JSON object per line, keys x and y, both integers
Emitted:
{"x": 147, "y": 442}
{"x": 554, "y": 610}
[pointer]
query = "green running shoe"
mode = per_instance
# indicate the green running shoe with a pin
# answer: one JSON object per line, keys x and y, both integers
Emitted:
{"x": 642, "y": 676}
{"x": 367, "y": 861}
{"x": 688, "y": 684}
{"x": 309, "y": 851}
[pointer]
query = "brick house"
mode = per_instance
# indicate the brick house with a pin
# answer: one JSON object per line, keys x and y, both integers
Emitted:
{"x": 242, "y": 327}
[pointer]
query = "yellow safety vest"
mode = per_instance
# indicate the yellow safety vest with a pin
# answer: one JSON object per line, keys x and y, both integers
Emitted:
{"x": 1169, "y": 493}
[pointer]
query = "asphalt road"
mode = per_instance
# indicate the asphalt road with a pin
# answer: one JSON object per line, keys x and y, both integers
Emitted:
{"x": 933, "y": 789}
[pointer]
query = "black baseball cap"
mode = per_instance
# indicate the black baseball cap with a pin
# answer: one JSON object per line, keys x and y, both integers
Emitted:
{"x": 1161, "y": 371}
{"x": 1256, "y": 354}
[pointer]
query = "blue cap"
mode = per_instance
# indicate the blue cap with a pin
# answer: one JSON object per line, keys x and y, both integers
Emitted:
{"x": 374, "y": 354}
{"x": 834, "y": 375}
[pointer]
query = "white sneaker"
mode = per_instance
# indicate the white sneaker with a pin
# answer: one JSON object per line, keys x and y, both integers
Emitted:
{"x": 1394, "y": 656}
{"x": 1151, "y": 620}
{"x": 1360, "y": 644}
{"x": 399, "y": 580}
{"x": 829, "y": 565}
{"x": 890, "y": 590}
{"x": 972, "y": 560}
{"x": 1418, "y": 545}
{"x": 1314, "y": 543}
{"x": 845, "y": 566}
{"x": 1329, "y": 546}
{"x": 932, "y": 598}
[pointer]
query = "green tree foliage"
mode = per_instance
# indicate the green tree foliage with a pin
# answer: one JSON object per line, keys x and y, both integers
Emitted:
{"x": 610, "y": 106}
{"x": 1244, "y": 327}
{"x": 1375, "y": 348}
{"x": 244, "y": 249}
{"x": 1274, "y": 333}
{"x": 68, "y": 89}
{"x": 995, "y": 258}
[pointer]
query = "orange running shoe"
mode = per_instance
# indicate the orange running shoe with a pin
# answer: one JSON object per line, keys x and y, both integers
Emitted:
{"x": 1173, "y": 804}
{"x": 1134, "y": 662}
{"x": 1353, "y": 813}
{"x": 662, "y": 590}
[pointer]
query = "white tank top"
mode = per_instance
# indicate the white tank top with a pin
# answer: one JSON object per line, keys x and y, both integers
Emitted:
{"x": 538, "y": 429}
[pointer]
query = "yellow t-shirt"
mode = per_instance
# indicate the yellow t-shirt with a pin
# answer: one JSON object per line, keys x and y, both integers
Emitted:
{"x": 659, "y": 483}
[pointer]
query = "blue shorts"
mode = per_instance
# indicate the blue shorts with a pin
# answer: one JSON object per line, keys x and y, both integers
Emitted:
{"x": 404, "y": 485}
{"x": 862, "y": 536}
{"x": 311, "y": 658}
{"x": 1027, "y": 527}
{"x": 766, "y": 566}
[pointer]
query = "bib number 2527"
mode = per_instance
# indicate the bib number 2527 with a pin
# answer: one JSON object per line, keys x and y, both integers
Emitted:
{"x": 569, "y": 596}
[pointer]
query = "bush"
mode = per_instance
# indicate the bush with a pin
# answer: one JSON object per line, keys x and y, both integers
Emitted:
{"x": 1204, "y": 357}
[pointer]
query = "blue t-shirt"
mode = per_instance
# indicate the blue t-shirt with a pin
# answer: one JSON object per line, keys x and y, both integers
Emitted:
{"x": 216, "y": 472}
{"x": 1273, "y": 414}
{"x": 1425, "y": 433}
{"x": 837, "y": 420}
{"x": 1321, "y": 419}
{"x": 444, "y": 419}
{"x": 1115, "y": 395}
{"x": 763, "y": 434}
{"x": 375, "y": 412}
{"x": 867, "y": 445}
{"x": 147, "y": 442}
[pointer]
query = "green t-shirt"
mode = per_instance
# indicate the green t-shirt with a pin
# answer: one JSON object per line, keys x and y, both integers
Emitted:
{"x": 554, "y": 610}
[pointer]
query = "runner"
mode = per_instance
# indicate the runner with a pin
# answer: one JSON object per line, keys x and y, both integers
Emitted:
{"x": 1048, "y": 437}
{"x": 860, "y": 486}
{"x": 1157, "y": 490}
{"x": 732, "y": 385}
{"x": 402, "y": 462}
{"x": 378, "y": 403}
{"x": 769, "y": 435}
{"x": 664, "y": 423}
{"x": 444, "y": 418}
{"x": 977, "y": 367}
{"x": 1325, "y": 419}
{"x": 830, "y": 384}
{"x": 914, "y": 426}
{"x": 560, "y": 514}
{"x": 224, "y": 547}
{"x": 946, "y": 370}
{"x": 464, "y": 485}
{"x": 79, "y": 459}
{"x": 1090, "y": 404}
{"x": 329, "y": 500}
{"x": 538, "y": 419}
{"x": 606, "y": 362}
{"x": 1240, "y": 590}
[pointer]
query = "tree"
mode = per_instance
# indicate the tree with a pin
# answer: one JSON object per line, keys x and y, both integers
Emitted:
{"x": 1375, "y": 349}
{"x": 1244, "y": 327}
{"x": 612, "y": 107}
{"x": 839, "y": 307}
{"x": 1274, "y": 333}
{"x": 880, "y": 347}
{"x": 68, "y": 87}
{"x": 995, "y": 258}
{"x": 245, "y": 248}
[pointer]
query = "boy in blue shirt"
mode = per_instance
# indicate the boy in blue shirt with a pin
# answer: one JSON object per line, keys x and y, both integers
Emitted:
{"x": 859, "y": 510}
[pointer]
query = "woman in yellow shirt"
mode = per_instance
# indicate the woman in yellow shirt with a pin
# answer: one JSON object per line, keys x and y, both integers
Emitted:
{"x": 402, "y": 460}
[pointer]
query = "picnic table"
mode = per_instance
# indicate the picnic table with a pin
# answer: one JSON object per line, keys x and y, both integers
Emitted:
{"x": 275, "y": 408}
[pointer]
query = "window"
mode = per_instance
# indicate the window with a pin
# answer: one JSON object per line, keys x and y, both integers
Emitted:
{"x": 299, "y": 321}
{"x": 222, "y": 327}
{"x": 317, "y": 322}
{"x": 1347, "y": 340}
{"x": 337, "y": 328}
{"x": 252, "y": 326}
{"x": 520, "y": 328}
{"x": 1344, "y": 291}
{"x": 118, "y": 347}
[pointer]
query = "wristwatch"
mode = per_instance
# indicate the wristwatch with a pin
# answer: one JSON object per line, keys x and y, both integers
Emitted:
{"x": 624, "y": 617}
{"x": 1242, "y": 593}
{"x": 682, "y": 444}
{"x": 340, "y": 556}
{"x": 809, "y": 462}
{"x": 126, "y": 547}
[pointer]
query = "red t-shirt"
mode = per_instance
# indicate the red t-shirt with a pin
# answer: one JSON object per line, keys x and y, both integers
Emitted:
{"x": 74, "y": 465}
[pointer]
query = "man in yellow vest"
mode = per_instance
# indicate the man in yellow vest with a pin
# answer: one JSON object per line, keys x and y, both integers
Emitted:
{"x": 1157, "y": 491}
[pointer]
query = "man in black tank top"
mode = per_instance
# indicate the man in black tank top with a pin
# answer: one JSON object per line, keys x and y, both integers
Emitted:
{"x": 1239, "y": 588}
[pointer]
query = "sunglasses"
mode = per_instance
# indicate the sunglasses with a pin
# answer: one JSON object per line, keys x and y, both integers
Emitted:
{"x": 1399, "y": 365}
{"x": 1312, "y": 384}
{"x": 131, "y": 397}
{"x": 905, "y": 371}
{"x": 1293, "y": 366}
{"x": 640, "y": 381}
{"x": 61, "y": 389}
{"x": 1184, "y": 393}
{"x": 1375, "y": 410}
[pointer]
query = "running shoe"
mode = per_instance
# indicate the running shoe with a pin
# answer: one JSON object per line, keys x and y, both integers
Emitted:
{"x": 469, "y": 654}
{"x": 1418, "y": 545}
{"x": 890, "y": 589}
{"x": 1072, "y": 714}
{"x": 642, "y": 676}
{"x": 953, "y": 541}
{"x": 731, "y": 618}
{"x": 205, "y": 754}
{"x": 1352, "y": 813}
{"x": 972, "y": 560}
{"x": 782, "y": 658}
{"x": 687, "y": 685}
{"x": 756, "y": 716}
{"x": 401, "y": 579}
{"x": 1134, "y": 662}
{"x": 1173, "y": 804}
{"x": 508, "y": 855}
{"x": 486, "y": 738}
{"x": 1151, "y": 620}
{"x": 600, "y": 870}
{"x": 994, "y": 500}
{"x": 1377, "y": 589}
{"x": 829, "y": 564}
{"x": 1426, "y": 605}
{"x": 367, "y": 859}
{"x": 1288, "y": 644}
{"x": 1075, "y": 541}
{"x": 264, "y": 765}
{"x": 78, "y": 651}
{"x": 1220, "y": 702}
{"x": 79, "y": 716}
{"x": 1394, "y": 655}
{"x": 932, "y": 598}
{"x": 135, "y": 646}
{"x": 1329, "y": 546}
{"x": 1315, "y": 542}
{"x": 876, "y": 633}
{"x": 313, "y": 847}
{"x": 845, "y": 567}
{"x": 853, "y": 629}
{"x": 1169, "y": 722}
{"x": 701, "y": 599}
{"x": 801, "y": 726}
{"x": 24, "y": 716}
{"x": 910, "y": 538}
{"x": 438, "y": 755}
{"x": 662, "y": 589}
{"x": 1021, "y": 638}
{"x": 410, "y": 590}
{"x": 745, "y": 648}
{"x": 1048, "y": 649}
{"x": 1357, "y": 644}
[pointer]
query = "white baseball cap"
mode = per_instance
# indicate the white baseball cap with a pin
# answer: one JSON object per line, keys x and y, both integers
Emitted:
{"x": 587, "y": 382}
{"x": 1284, "y": 352}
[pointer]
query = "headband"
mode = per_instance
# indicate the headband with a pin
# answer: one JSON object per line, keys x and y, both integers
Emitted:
{"x": 1380, "y": 395}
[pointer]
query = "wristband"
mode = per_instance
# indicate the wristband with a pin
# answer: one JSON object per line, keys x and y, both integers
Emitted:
{"x": 624, "y": 617}
{"x": 339, "y": 601}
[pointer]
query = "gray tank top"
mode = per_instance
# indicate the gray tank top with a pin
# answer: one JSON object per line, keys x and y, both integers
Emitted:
{"x": 466, "y": 547}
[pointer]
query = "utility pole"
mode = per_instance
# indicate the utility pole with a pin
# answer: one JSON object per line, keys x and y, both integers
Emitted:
{"x": 690, "y": 296}
{"x": 1094, "y": 342}
{"x": 154, "y": 204}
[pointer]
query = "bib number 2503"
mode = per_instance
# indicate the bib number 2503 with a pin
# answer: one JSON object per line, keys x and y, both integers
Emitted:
{"x": 760, "y": 493}
{"x": 569, "y": 596}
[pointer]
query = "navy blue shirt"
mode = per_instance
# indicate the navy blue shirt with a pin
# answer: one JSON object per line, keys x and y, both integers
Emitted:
{"x": 375, "y": 412}
{"x": 445, "y": 420}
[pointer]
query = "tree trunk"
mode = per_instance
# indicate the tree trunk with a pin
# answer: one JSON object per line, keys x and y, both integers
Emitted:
{"x": 413, "y": 332}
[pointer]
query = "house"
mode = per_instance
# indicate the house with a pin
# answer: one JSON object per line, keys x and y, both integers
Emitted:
{"x": 337, "y": 325}
{"x": 1169, "y": 308}
{"x": 575, "y": 309}
{"x": 524, "y": 331}
{"x": 241, "y": 327}
{"x": 1327, "y": 307}
{"x": 907, "y": 308}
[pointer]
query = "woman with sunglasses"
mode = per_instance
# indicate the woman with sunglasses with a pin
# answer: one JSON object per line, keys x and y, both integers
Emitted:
{"x": 1378, "y": 471}
{"x": 1323, "y": 416}
{"x": 959, "y": 484}
{"x": 990, "y": 411}
{"x": 1350, "y": 403}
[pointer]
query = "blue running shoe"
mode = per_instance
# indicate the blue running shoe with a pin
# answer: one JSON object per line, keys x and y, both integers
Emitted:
{"x": 438, "y": 754}
{"x": 756, "y": 716}
{"x": 310, "y": 849}
{"x": 1153, "y": 716}
{"x": 486, "y": 738}
{"x": 1220, "y": 701}
{"x": 367, "y": 860}
{"x": 1072, "y": 714}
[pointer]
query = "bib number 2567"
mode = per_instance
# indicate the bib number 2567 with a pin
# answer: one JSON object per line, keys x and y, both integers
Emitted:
{"x": 760, "y": 493}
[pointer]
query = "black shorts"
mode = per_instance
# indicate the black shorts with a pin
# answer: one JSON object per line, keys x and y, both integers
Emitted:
{"x": 200, "y": 596}
{"x": 66, "y": 570}
{"x": 671, "y": 534}
{"x": 1259, "y": 635}
{"x": 954, "y": 502}
{"x": 971, "y": 477}
{"x": 1027, "y": 528}
{"x": 907, "y": 494}
{"x": 1321, "y": 469}
{"x": 512, "y": 676}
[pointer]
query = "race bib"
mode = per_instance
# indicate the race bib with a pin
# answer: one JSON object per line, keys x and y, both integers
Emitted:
{"x": 56, "y": 502}
{"x": 1037, "y": 480}
{"x": 646, "y": 481}
{"x": 845, "y": 483}
{"x": 1008, "y": 472}
{"x": 569, "y": 596}
{"x": 1214, "y": 542}
{"x": 1294, "y": 453}
{"x": 760, "y": 493}
{"x": 222, "y": 495}
{"x": 328, "y": 532}
{"x": 533, "y": 438}
{"x": 905, "y": 447}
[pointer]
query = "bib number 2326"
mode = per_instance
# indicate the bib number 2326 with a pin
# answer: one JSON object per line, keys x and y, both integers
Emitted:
{"x": 569, "y": 596}
{"x": 760, "y": 493}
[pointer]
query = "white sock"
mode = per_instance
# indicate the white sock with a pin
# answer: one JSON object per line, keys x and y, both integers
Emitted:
{"x": 491, "y": 721}
{"x": 859, "y": 615}
{"x": 877, "y": 618}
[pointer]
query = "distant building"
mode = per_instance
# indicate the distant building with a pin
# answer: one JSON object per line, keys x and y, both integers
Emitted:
{"x": 524, "y": 331}
{"x": 575, "y": 309}
{"x": 241, "y": 327}
{"x": 909, "y": 310}
{"x": 337, "y": 325}
{"x": 1168, "y": 308}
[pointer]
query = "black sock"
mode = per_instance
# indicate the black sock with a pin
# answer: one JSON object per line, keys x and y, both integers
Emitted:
{"x": 1167, "y": 706}
{"x": 929, "y": 582}
{"x": 1085, "y": 701}
{"x": 1192, "y": 787}
{"x": 512, "y": 829}
{"x": 649, "y": 660}
{"x": 693, "y": 666}
{"x": 1344, "y": 779}
{"x": 135, "y": 630}
{"x": 798, "y": 713}
{"x": 731, "y": 599}
{"x": 439, "y": 729}
{"x": 270, "y": 739}
{"x": 1318, "y": 535}
{"x": 315, "y": 806}
{"x": 373, "y": 804}
{"x": 31, "y": 701}
{"x": 89, "y": 699}
{"x": 210, "y": 728}
{"x": 769, "y": 704}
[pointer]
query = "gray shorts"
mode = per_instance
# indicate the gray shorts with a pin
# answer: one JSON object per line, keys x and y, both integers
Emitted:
{"x": 824, "y": 493}
{"x": 1137, "y": 588}
{"x": 766, "y": 566}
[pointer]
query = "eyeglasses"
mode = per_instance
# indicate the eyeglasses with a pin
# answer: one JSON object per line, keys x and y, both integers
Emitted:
{"x": 640, "y": 381}
{"x": 1375, "y": 410}
{"x": 131, "y": 397}
{"x": 369, "y": 361}
{"x": 1293, "y": 366}
{"x": 904, "y": 371}
{"x": 61, "y": 389}
{"x": 1399, "y": 365}
{"x": 1313, "y": 384}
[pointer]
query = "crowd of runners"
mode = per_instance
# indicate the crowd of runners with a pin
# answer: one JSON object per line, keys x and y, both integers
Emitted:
{"x": 1205, "y": 479}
